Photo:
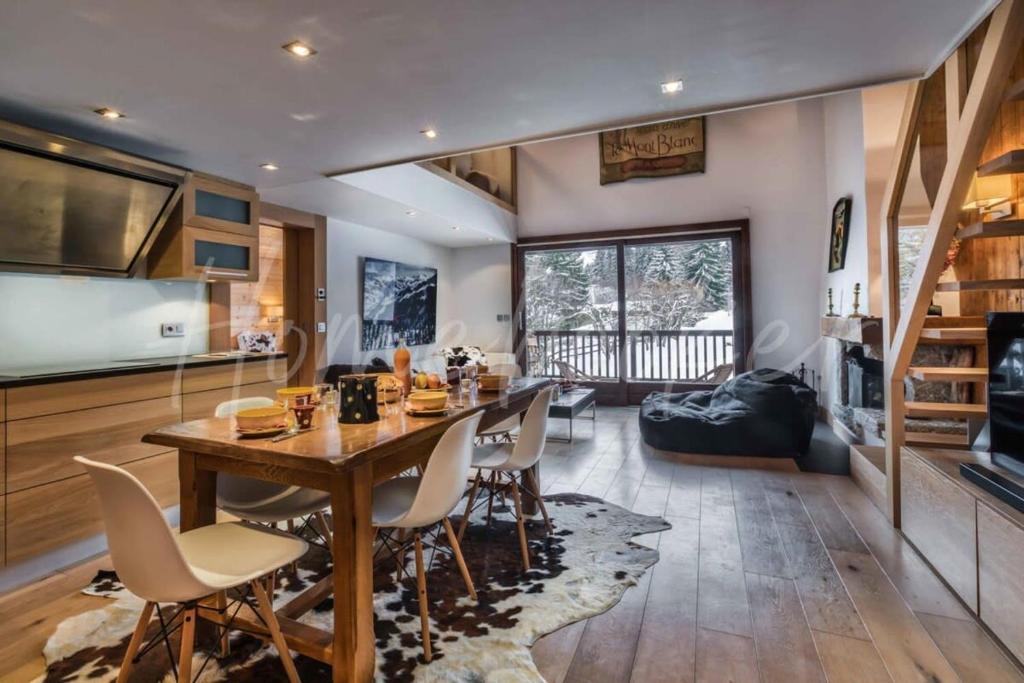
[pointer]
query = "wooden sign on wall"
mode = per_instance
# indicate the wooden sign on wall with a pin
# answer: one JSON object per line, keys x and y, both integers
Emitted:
{"x": 659, "y": 149}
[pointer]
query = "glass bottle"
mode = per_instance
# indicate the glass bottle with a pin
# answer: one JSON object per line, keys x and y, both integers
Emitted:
{"x": 403, "y": 363}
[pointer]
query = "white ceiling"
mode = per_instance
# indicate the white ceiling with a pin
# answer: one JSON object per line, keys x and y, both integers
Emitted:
{"x": 205, "y": 84}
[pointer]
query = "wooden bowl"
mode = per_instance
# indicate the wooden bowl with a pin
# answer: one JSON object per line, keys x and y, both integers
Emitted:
{"x": 493, "y": 382}
{"x": 293, "y": 395}
{"x": 252, "y": 419}
{"x": 428, "y": 399}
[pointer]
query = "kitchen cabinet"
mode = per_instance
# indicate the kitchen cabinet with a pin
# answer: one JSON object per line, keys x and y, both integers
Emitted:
{"x": 212, "y": 234}
{"x": 46, "y": 500}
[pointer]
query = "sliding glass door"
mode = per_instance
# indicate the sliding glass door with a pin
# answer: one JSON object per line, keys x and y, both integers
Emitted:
{"x": 679, "y": 309}
{"x": 572, "y": 311}
{"x": 636, "y": 312}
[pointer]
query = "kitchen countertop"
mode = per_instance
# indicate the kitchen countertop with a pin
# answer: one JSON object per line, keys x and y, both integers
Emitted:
{"x": 133, "y": 366}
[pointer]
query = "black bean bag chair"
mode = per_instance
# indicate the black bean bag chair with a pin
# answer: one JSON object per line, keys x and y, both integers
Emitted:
{"x": 764, "y": 413}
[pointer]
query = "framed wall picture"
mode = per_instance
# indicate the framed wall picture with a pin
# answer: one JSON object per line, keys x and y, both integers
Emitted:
{"x": 659, "y": 149}
{"x": 840, "y": 235}
{"x": 399, "y": 302}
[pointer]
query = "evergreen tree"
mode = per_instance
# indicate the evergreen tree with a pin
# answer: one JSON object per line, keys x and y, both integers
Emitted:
{"x": 708, "y": 267}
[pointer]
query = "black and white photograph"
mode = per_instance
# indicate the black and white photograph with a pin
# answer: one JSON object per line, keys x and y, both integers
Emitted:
{"x": 399, "y": 302}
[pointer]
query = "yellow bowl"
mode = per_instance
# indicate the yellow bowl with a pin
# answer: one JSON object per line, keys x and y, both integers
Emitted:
{"x": 261, "y": 418}
{"x": 428, "y": 400}
{"x": 493, "y": 382}
{"x": 291, "y": 393}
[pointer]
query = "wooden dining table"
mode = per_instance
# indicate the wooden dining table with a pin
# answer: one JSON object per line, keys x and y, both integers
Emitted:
{"x": 346, "y": 460}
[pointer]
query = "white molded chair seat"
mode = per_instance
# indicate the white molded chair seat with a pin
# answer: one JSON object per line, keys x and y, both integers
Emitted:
{"x": 411, "y": 504}
{"x": 160, "y": 566}
{"x": 230, "y": 554}
{"x": 263, "y": 501}
{"x": 512, "y": 460}
{"x": 504, "y": 427}
{"x": 493, "y": 456}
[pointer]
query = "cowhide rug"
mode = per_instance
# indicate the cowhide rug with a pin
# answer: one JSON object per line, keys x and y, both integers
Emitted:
{"x": 580, "y": 571}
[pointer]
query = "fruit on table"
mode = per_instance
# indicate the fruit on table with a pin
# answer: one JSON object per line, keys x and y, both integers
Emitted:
{"x": 421, "y": 381}
{"x": 433, "y": 380}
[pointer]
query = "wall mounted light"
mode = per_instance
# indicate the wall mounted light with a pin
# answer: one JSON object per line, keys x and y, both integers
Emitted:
{"x": 990, "y": 196}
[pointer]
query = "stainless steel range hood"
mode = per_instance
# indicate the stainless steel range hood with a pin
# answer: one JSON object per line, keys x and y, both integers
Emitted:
{"x": 73, "y": 207}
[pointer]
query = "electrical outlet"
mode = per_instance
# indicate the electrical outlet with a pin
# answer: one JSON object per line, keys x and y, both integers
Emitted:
{"x": 504, "y": 317}
{"x": 172, "y": 329}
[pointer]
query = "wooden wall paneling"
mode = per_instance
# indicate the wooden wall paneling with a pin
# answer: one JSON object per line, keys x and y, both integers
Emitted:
{"x": 220, "y": 338}
{"x": 242, "y": 372}
{"x": 1000, "y": 581}
{"x": 56, "y": 514}
{"x": 248, "y": 300}
{"x": 40, "y": 449}
{"x": 62, "y": 397}
{"x": 305, "y": 271}
{"x": 3, "y": 405}
{"x": 3, "y": 531}
{"x": 201, "y": 404}
{"x": 939, "y": 519}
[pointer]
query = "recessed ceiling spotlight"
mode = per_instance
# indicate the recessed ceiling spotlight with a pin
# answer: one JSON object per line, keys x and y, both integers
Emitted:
{"x": 410, "y": 212}
{"x": 671, "y": 87}
{"x": 269, "y": 166}
{"x": 429, "y": 132}
{"x": 108, "y": 113}
{"x": 299, "y": 49}
{"x": 455, "y": 227}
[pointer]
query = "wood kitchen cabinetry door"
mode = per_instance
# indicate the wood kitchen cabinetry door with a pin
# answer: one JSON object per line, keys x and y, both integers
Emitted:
{"x": 219, "y": 205}
{"x": 191, "y": 253}
{"x": 939, "y": 519}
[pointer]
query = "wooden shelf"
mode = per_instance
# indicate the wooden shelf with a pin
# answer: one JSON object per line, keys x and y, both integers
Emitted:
{"x": 955, "y": 335}
{"x": 979, "y": 285}
{"x": 1015, "y": 92}
{"x": 935, "y": 439}
{"x": 1005, "y": 228}
{"x": 955, "y": 411}
{"x": 856, "y": 330}
{"x": 1011, "y": 162}
{"x": 926, "y": 374}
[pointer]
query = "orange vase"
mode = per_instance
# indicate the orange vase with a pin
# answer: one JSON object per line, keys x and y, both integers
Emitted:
{"x": 403, "y": 362}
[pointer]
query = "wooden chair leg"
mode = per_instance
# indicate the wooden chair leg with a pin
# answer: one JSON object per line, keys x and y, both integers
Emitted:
{"x": 469, "y": 504}
{"x": 325, "y": 529}
{"x": 421, "y": 585}
{"x": 291, "y": 530}
{"x": 530, "y": 480}
{"x": 490, "y": 496}
{"x": 453, "y": 541}
{"x": 224, "y": 640}
{"x": 400, "y": 555}
{"x": 133, "y": 645}
{"x": 266, "y": 608}
{"x": 188, "y": 640}
{"x": 521, "y": 524}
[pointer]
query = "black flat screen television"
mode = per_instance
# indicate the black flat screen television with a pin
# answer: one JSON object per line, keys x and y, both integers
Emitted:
{"x": 1006, "y": 390}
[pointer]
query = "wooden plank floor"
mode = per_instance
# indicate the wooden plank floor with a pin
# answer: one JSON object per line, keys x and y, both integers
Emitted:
{"x": 766, "y": 575}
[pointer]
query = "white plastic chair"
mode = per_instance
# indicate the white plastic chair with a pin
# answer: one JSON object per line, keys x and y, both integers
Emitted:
{"x": 415, "y": 504}
{"x": 265, "y": 501}
{"x": 160, "y": 568}
{"x": 507, "y": 461}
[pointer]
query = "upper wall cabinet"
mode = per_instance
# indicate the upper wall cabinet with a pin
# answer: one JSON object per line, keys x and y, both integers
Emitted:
{"x": 213, "y": 235}
{"x": 218, "y": 205}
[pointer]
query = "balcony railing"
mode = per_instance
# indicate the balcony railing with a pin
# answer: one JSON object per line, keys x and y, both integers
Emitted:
{"x": 651, "y": 355}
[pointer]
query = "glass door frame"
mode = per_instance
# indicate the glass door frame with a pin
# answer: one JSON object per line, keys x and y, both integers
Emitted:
{"x": 624, "y": 391}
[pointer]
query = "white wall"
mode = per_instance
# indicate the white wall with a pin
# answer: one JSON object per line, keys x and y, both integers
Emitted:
{"x": 483, "y": 283}
{"x": 346, "y": 243}
{"x": 766, "y": 164}
{"x": 65, "y": 320}
{"x": 844, "y": 177}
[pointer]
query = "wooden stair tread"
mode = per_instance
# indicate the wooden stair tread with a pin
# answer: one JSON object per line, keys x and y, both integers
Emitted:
{"x": 955, "y": 334}
{"x": 1011, "y": 162}
{"x": 943, "y": 321}
{"x": 1015, "y": 91}
{"x": 950, "y": 410}
{"x": 940, "y": 374}
{"x": 979, "y": 285}
{"x": 1003, "y": 228}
